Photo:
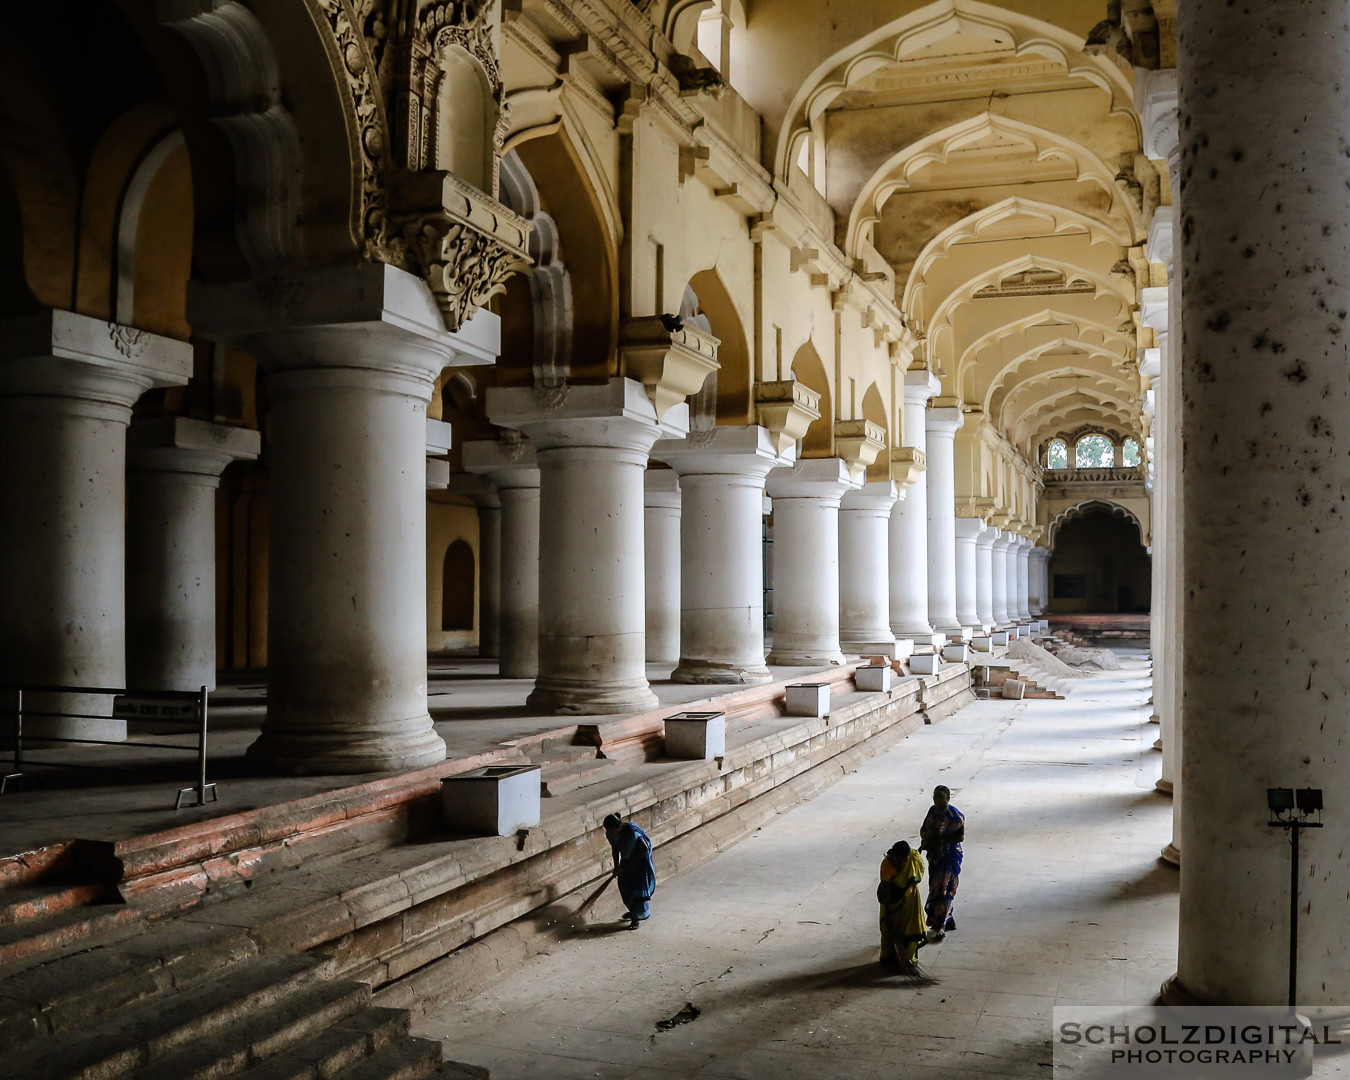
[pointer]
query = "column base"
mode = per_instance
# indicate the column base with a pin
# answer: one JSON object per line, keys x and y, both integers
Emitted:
{"x": 1172, "y": 992}
{"x": 1157, "y": 744}
{"x": 701, "y": 672}
{"x": 871, "y": 645}
{"x": 1155, "y": 719}
{"x": 571, "y": 698}
{"x": 1171, "y": 854}
{"x": 921, "y": 639}
{"x": 1163, "y": 786}
{"x": 299, "y": 753}
{"x": 954, "y": 633}
{"x": 798, "y": 659}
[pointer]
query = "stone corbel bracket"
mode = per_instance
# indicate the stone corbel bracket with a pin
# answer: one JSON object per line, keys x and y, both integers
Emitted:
{"x": 786, "y": 409}
{"x": 1001, "y": 520}
{"x": 858, "y": 443}
{"x": 670, "y": 364}
{"x": 907, "y": 465}
{"x": 981, "y": 507}
{"x": 464, "y": 243}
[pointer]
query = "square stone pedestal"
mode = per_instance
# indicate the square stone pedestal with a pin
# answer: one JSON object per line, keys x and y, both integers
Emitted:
{"x": 999, "y": 638}
{"x": 874, "y": 679}
{"x": 925, "y": 663}
{"x": 808, "y": 699}
{"x": 696, "y": 736}
{"x": 496, "y": 800}
{"x": 1014, "y": 688}
{"x": 956, "y": 654}
{"x": 982, "y": 643}
{"x": 1044, "y": 625}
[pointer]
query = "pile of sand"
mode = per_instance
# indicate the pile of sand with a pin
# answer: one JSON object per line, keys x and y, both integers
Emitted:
{"x": 1025, "y": 649}
{"x": 1078, "y": 656}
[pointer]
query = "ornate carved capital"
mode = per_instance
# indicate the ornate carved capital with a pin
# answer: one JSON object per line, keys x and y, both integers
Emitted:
{"x": 671, "y": 359}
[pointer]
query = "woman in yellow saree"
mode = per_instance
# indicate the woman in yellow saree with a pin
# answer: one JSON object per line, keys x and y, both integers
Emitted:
{"x": 902, "y": 925}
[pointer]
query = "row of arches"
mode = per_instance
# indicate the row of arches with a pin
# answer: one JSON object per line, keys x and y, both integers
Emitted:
{"x": 1093, "y": 451}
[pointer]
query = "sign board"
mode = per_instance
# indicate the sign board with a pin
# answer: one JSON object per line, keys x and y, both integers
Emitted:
{"x": 126, "y": 707}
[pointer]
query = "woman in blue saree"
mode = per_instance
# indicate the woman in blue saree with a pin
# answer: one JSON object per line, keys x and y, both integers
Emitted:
{"x": 632, "y": 867}
{"x": 941, "y": 834}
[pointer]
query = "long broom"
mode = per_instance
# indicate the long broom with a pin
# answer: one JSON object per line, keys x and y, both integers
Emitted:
{"x": 589, "y": 902}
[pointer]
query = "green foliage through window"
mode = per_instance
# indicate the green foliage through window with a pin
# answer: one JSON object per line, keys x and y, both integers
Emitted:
{"x": 1094, "y": 452}
{"x": 1057, "y": 456}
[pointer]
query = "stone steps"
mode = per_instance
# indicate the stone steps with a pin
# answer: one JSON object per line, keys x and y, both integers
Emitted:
{"x": 560, "y": 777}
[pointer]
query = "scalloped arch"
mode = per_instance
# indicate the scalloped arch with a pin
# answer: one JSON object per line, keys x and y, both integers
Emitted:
{"x": 1078, "y": 510}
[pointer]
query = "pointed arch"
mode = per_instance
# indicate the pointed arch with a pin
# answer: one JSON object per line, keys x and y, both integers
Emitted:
{"x": 807, "y": 368}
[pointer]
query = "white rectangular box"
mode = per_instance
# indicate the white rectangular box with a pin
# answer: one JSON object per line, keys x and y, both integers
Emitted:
{"x": 808, "y": 699}
{"x": 1014, "y": 688}
{"x": 696, "y": 736}
{"x": 1044, "y": 624}
{"x": 982, "y": 643}
{"x": 956, "y": 654}
{"x": 876, "y": 679}
{"x": 925, "y": 663}
{"x": 999, "y": 638}
{"x": 496, "y": 800}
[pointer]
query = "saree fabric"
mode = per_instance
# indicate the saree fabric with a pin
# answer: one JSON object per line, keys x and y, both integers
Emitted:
{"x": 901, "y": 910}
{"x": 944, "y": 863}
{"x": 637, "y": 875}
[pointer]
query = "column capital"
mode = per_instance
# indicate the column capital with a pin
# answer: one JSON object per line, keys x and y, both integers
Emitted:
{"x": 743, "y": 451}
{"x": 877, "y": 496}
{"x": 1003, "y": 540}
{"x": 812, "y": 478}
{"x": 661, "y": 489}
{"x": 182, "y": 444}
{"x": 1161, "y": 246}
{"x": 61, "y": 354}
{"x": 1156, "y": 101}
{"x": 973, "y": 528}
{"x": 374, "y": 316}
{"x": 1153, "y": 307}
{"x": 944, "y": 422}
{"x": 920, "y": 386}
{"x": 508, "y": 463}
{"x": 617, "y": 415}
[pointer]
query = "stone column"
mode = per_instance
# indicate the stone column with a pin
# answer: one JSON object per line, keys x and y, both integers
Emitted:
{"x": 998, "y": 577}
{"x": 592, "y": 444}
{"x": 67, "y": 385}
{"x": 1024, "y": 579}
{"x": 984, "y": 575}
{"x": 173, "y": 469}
{"x": 1010, "y": 577}
{"x": 864, "y": 570}
{"x": 1263, "y": 470}
{"x": 968, "y": 533}
{"x": 351, "y": 357}
{"x": 1037, "y": 599}
{"x": 661, "y": 520}
{"x": 806, "y": 501}
{"x": 909, "y": 523}
{"x": 511, "y": 467}
{"x": 487, "y": 501}
{"x": 942, "y": 425}
{"x": 722, "y": 551}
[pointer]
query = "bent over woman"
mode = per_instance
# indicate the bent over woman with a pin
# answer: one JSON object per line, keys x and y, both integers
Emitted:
{"x": 901, "y": 910}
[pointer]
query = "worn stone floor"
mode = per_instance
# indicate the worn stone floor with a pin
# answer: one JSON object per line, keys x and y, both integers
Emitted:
{"x": 1063, "y": 901}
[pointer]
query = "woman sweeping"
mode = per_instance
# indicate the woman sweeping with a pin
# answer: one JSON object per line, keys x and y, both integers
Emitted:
{"x": 940, "y": 835}
{"x": 901, "y": 911}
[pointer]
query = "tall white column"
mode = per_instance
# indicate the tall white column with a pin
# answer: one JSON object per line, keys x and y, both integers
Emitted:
{"x": 174, "y": 466}
{"x": 592, "y": 444}
{"x": 864, "y": 570}
{"x": 1263, "y": 470}
{"x": 662, "y": 526}
{"x": 999, "y": 576}
{"x": 487, "y": 502}
{"x": 1036, "y": 600}
{"x": 984, "y": 575}
{"x": 909, "y": 522}
{"x": 67, "y": 385}
{"x": 350, "y": 361}
{"x": 722, "y": 475}
{"x": 1024, "y": 579}
{"x": 1010, "y": 577}
{"x": 806, "y": 501}
{"x": 942, "y": 425}
{"x": 968, "y": 533}
{"x": 511, "y": 466}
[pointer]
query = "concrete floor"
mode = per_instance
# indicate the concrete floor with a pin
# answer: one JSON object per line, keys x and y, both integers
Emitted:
{"x": 1063, "y": 901}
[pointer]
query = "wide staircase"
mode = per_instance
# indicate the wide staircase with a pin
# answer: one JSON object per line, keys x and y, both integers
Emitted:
{"x": 286, "y": 941}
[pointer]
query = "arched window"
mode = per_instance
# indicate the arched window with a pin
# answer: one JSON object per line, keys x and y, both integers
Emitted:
{"x": 1094, "y": 452}
{"x": 457, "y": 584}
{"x": 1129, "y": 453}
{"x": 1057, "y": 455}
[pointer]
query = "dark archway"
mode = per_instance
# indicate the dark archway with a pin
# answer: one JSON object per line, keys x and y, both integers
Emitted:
{"x": 457, "y": 587}
{"x": 1098, "y": 565}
